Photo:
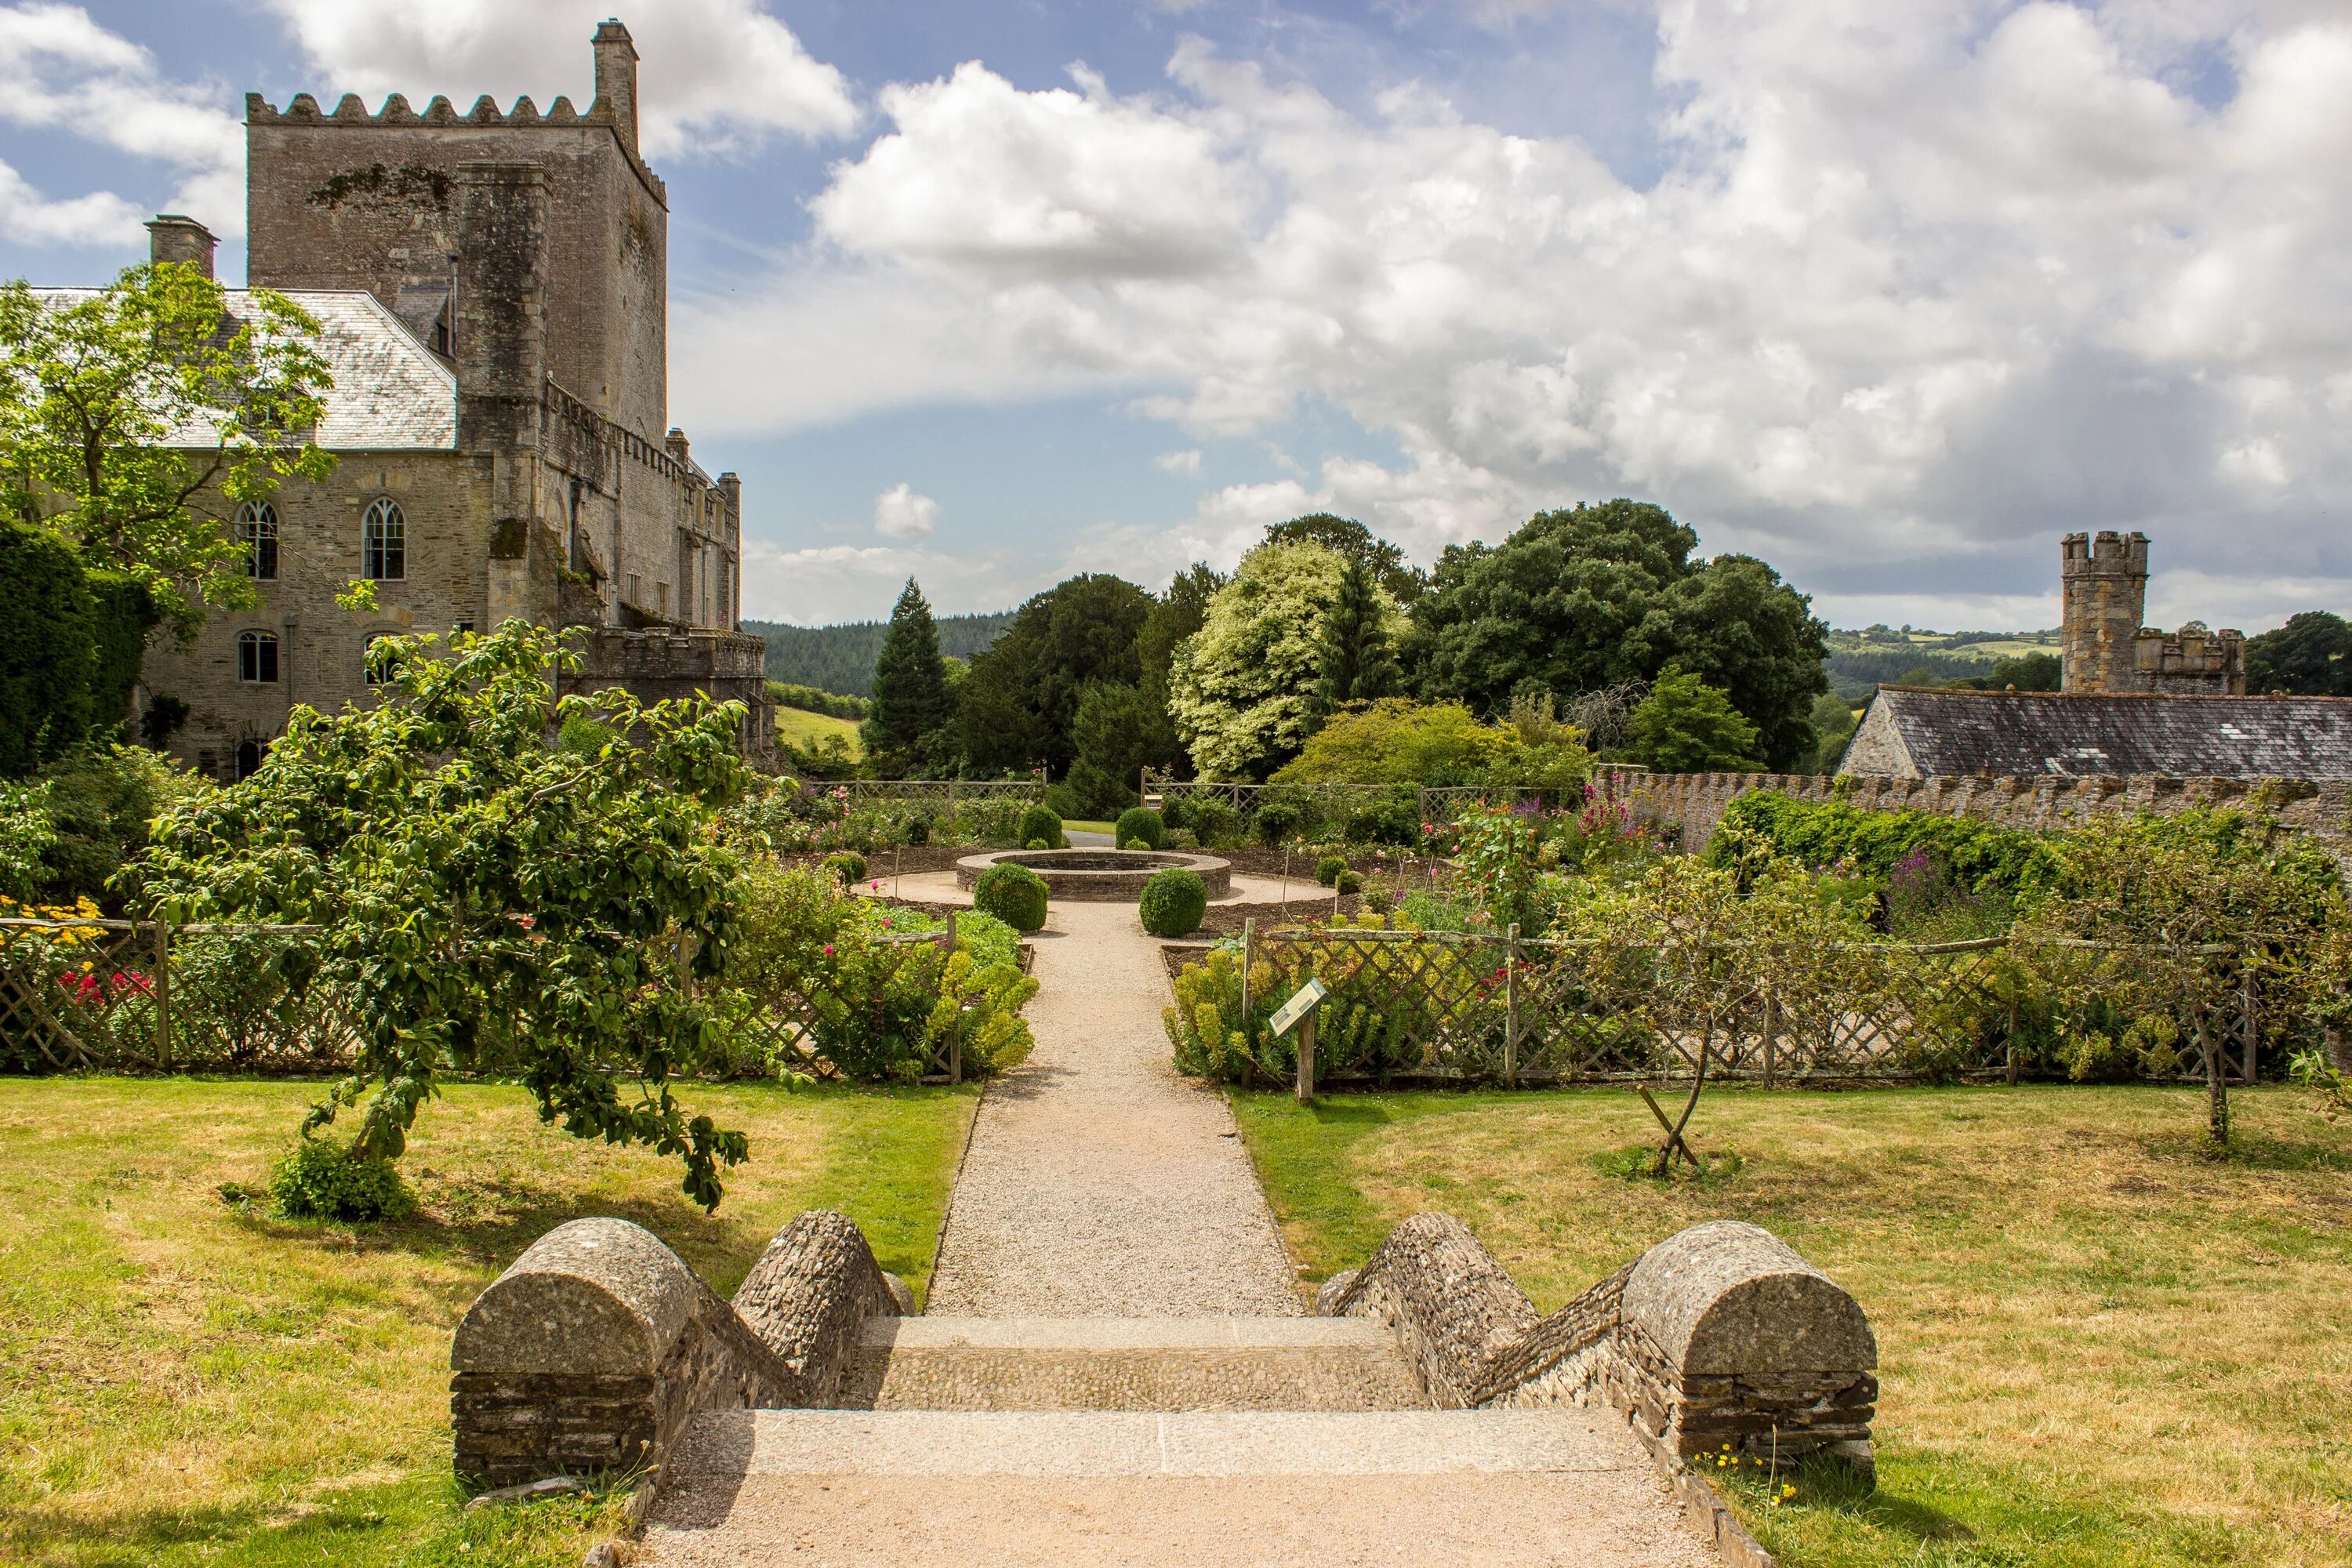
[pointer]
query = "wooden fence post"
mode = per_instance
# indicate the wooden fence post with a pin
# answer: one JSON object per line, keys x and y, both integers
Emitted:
{"x": 1307, "y": 1057}
{"x": 162, "y": 997}
{"x": 1771, "y": 1036}
{"x": 1511, "y": 1009}
{"x": 2251, "y": 1022}
{"x": 1249, "y": 936}
{"x": 2009, "y": 1044}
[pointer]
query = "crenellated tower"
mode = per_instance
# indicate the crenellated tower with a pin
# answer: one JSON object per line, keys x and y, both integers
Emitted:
{"x": 2102, "y": 581}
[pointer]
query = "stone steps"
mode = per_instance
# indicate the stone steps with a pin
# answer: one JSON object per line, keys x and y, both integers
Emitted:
{"x": 1077, "y": 1487}
{"x": 1128, "y": 1364}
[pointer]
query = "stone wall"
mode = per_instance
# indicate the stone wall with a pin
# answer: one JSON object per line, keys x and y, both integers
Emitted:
{"x": 1718, "y": 1336}
{"x": 597, "y": 1347}
{"x": 1694, "y": 803}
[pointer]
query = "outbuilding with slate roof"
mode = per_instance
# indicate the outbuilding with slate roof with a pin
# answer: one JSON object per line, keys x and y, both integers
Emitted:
{"x": 1914, "y": 732}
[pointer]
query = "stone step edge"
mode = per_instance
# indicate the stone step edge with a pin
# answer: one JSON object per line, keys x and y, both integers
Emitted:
{"x": 1121, "y": 1335}
{"x": 1185, "y": 1443}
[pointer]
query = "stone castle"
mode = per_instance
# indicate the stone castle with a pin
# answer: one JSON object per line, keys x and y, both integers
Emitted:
{"x": 2104, "y": 583}
{"x": 494, "y": 292}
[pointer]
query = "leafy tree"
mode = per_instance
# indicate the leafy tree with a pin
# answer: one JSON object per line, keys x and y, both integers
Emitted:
{"x": 1686, "y": 726}
{"x": 1834, "y": 723}
{"x": 1175, "y": 616}
{"x": 1358, "y": 651}
{"x": 133, "y": 421}
{"x": 1020, "y": 700}
{"x": 1242, "y": 690}
{"x": 2311, "y": 656}
{"x": 1386, "y": 563}
{"x": 1395, "y": 741}
{"x": 1114, "y": 732}
{"x": 47, "y": 649}
{"x": 904, "y": 733}
{"x": 1578, "y": 601}
{"x": 489, "y": 899}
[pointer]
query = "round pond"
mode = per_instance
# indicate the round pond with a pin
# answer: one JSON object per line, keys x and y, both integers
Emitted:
{"x": 1099, "y": 875}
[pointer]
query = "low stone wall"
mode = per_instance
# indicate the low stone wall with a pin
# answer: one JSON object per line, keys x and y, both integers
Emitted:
{"x": 597, "y": 1346}
{"x": 1694, "y": 803}
{"x": 1721, "y": 1335}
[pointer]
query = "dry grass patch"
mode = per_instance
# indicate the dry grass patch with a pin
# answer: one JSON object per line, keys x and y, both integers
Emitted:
{"x": 2096, "y": 1346}
{"x": 183, "y": 1378}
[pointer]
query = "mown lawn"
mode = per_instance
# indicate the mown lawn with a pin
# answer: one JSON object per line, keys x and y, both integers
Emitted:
{"x": 186, "y": 1380}
{"x": 2096, "y": 1347}
{"x": 803, "y": 728}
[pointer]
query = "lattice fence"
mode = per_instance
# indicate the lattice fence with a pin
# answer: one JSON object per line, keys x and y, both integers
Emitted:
{"x": 1496, "y": 1009}
{"x": 941, "y": 796}
{"x": 1335, "y": 802}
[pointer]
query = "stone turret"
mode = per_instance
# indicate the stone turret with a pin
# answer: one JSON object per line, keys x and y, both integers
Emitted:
{"x": 2103, "y": 585}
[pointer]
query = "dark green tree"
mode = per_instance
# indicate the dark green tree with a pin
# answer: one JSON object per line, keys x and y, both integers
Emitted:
{"x": 47, "y": 648}
{"x": 1686, "y": 726}
{"x": 1360, "y": 661}
{"x": 1018, "y": 705}
{"x": 1577, "y": 601}
{"x": 1175, "y": 616}
{"x": 2311, "y": 656}
{"x": 1114, "y": 730}
{"x": 1404, "y": 582}
{"x": 905, "y": 733}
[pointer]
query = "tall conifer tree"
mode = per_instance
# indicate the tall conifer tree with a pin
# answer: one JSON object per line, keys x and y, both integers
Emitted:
{"x": 1359, "y": 657}
{"x": 911, "y": 708}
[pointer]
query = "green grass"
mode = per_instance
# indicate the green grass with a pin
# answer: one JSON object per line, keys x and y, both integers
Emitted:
{"x": 187, "y": 1381}
{"x": 803, "y": 728}
{"x": 2098, "y": 1350}
{"x": 1075, "y": 825}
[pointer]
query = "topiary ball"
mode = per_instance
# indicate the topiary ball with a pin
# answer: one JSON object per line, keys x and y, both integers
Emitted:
{"x": 1039, "y": 823}
{"x": 1346, "y": 882}
{"x": 846, "y": 867}
{"x": 1173, "y": 902}
{"x": 1329, "y": 870}
{"x": 1142, "y": 824}
{"x": 1013, "y": 894}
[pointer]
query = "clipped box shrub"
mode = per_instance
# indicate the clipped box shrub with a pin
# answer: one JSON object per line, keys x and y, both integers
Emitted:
{"x": 1329, "y": 870}
{"x": 1013, "y": 894}
{"x": 322, "y": 1179}
{"x": 1173, "y": 902}
{"x": 1214, "y": 823}
{"x": 1039, "y": 824}
{"x": 1140, "y": 825}
{"x": 846, "y": 868}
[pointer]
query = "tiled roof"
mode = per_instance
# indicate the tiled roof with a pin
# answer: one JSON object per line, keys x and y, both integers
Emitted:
{"x": 390, "y": 394}
{"x": 2027, "y": 732}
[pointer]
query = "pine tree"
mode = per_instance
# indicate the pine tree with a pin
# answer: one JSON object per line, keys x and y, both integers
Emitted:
{"x": 911, "y": 708}
{"x": 1360, "y": 661}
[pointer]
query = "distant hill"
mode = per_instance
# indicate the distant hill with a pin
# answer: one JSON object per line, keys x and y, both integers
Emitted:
{"x": 841, "y": 657}
{"x": 1860, "y": 661}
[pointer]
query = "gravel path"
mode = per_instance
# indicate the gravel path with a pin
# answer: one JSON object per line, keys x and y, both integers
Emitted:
{"x": 1098, "y": 1183}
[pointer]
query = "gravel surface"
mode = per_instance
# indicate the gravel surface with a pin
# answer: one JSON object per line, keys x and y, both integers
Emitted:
{"x": 1098, "y": 1183}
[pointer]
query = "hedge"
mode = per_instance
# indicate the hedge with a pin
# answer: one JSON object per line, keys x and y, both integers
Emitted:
{"x": 1980, "y": 856}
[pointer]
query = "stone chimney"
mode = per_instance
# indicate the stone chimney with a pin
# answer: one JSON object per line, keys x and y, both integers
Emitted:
{"x": 676, "y": 444}
{"x": 616, "y": 80}
{"x": 501, "y": 343}
{"x": 171, "y": 237}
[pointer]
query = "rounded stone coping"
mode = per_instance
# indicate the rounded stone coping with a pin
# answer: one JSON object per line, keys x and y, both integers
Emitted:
{"x": 600, "y": 1297}
{"x": 1099, "y": 875}
{"x": 1730, "y": 1297}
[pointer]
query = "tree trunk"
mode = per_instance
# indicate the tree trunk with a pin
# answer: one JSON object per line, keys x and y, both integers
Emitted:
{"x": 2217, "y": 1089}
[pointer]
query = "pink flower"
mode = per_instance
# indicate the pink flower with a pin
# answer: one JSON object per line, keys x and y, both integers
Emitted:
{"x": 828, "y": 950}
{"x": 526, "y": 922}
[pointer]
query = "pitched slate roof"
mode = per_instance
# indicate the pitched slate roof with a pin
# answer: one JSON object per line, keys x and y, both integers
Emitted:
{"x": 2022, "y": 733}
{"x": 390, "y": 393}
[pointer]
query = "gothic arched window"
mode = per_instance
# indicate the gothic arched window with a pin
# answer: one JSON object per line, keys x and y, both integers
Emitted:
{"x": 256, "y": 530}
{"x": 256, "y": 657}
{"x": 384, "y": 542}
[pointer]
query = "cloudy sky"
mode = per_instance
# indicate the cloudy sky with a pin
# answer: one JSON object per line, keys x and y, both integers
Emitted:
{"x": 1890, "y": 292}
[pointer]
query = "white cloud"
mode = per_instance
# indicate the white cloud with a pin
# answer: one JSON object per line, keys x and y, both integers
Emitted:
{"x": 824, "y": 584}
{"x": 60, "y": 70}
{"x": 713, "y": 75}
{"x": 901, "y": 514}
{"x": 1916, "y": 288}
{"x": 1186, "y": 463}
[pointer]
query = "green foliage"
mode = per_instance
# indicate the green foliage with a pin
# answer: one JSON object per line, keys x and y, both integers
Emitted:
{"x": 1394, "y": 820}
{"x": 1364, "y": 1027}
{"x": 810, "y": 700}
{"x": 322, "y": 1179}
{"x": 840, "y": 658}
{"x": 1173, "y": 902}
{"x": 846, "y": 868}
{"x": 1242, "y": 691}
{"x": 584, "y": 737}
{"x": 907, "y": 733}
{"x": 1359, "y": 546}
{"x": 1399, "y": 741}
{"x": 1330, "y": 869}
{"x": 101, "y": 801}
{"x": 2311, "y": 656}
{"x": 1577, "y": 601}
{"x": 1358, "y": 662}
{"x": 1013, "y": 894}
{"x": 1835, "y": 724}
{"x": 1494, "y": 850}
{"x": 122, "y": 611}
{"x": 1116, "y": 733}
{"x": 92, "y": 392}
{"x": 1140, "y": 822}
{"x": 1283, "y": 818}
{"x": 1685, "y": 726}
{"x": 1178, "y": 613}
{"x": 1019, "y": 706}
{"x": 48, "y": 639}
{"x": 1039, "y": 827}
{"x": 25, "y": 834}
{"x": 485, "y": 896}
{"x": 1976, "y": 854}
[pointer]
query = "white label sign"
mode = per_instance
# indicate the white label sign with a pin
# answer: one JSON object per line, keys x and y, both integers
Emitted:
{"x": 1290, "y": 1012}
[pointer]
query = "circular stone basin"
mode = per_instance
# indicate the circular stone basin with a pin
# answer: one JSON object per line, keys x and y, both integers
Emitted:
{"x": 1099, "y": 875}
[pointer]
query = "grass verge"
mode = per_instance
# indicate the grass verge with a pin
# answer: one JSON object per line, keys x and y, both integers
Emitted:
{"x": 2098, "y": 1348}
{"x": 185, "y": 1379}
{"x": 802, "y": 728}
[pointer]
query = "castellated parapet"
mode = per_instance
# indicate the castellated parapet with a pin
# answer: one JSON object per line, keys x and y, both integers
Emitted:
{"x": 2104, "y": 584}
